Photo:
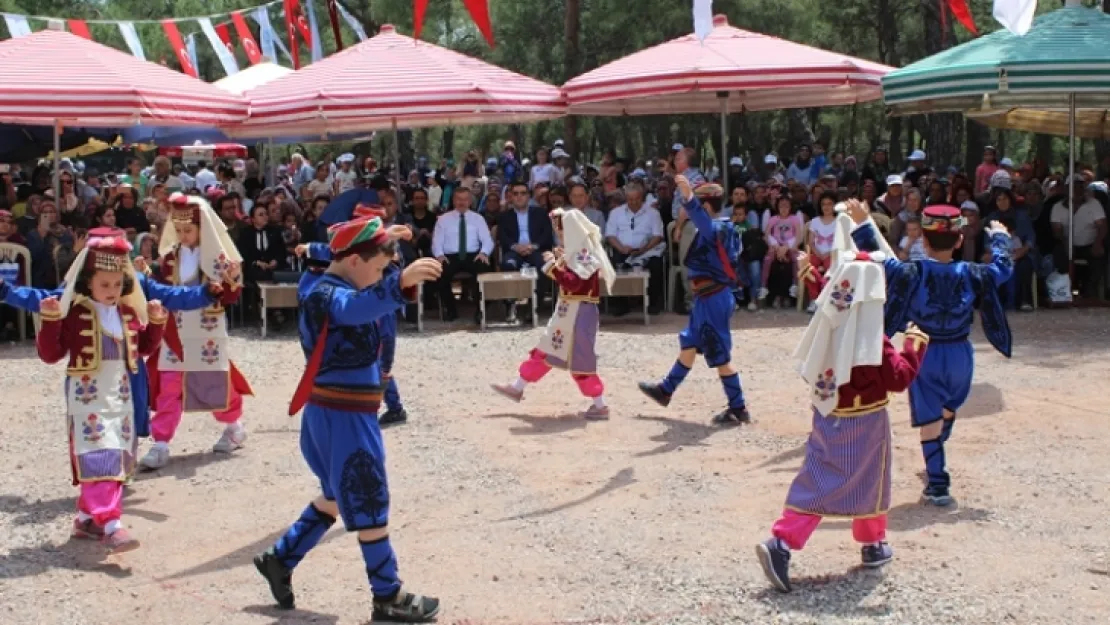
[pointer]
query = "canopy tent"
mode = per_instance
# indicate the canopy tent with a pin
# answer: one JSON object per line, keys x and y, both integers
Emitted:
{"x": 1059, "y": 69}
{"x": 1089, "y": 124}
{"x": 732, "y": 69}
{"x": 21, "y": 142}
{"x": 391, "y": 81}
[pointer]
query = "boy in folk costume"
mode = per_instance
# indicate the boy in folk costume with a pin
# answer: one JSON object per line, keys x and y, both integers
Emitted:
{"x": 192, "y": 371}
{"x": 105, "y": 325}
{"x": 569, "y": 341}
{"x": 939, "y": 294}
{"x": 710, "y": 266}
{"x": 341, "y": 392}
{"x": 850, "y": 367}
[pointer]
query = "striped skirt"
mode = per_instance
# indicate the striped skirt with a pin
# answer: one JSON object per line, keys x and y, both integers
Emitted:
{"x": 846, "y": 471}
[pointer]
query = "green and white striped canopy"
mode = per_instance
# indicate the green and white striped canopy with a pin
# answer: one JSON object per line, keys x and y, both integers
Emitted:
{"x": 1066, "y": 52}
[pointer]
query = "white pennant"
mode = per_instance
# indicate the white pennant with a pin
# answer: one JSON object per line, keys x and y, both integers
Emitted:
{"x": 352, "y": 22}
{"x": 227, "y": 59}
{"x": 1015, "y": 15}
{"x": 317, "y": 45}
{"x": 191, "y": 49}
{"x": 703, "y": 18}
{"x": 267, "y": 40}
{"x": 17, "y": 25}
{"x": 131, "y": 36}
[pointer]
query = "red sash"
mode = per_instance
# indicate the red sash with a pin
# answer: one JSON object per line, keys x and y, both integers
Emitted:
{"x": 304, "y": 387}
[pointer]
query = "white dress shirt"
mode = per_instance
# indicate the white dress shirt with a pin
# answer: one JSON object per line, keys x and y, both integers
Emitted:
{"x": 636, "y": 229}
{"x": 445, "y": 239}
{"x": 1085, "y": 217}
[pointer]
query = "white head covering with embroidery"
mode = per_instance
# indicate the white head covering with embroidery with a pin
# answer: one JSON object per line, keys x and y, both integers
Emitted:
{"x": 842, "y": 239}
{"x": 583, "y": 250}
{"x": 847, "y": 329}
{"x": 136, "y": 300}
{"x": 217, "y": 250}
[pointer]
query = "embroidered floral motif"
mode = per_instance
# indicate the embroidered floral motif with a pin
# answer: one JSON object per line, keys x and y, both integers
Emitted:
{"x": 584, "y": 258}
{"x": 209, "y": 321}
{"x": 210, "y": 353}
{"x": 179, "y": 318}
{"x": 125, "y": 431}
{"x": 171, "y": 357}
{"x": 93, "y": 430}
{"x": 220, "y": 265}
{"x": 557, "y": 339}
{"x": 825, "y": 388}
{"x": 86, "y": 390}
{"x": 842, "y": 295}
{"x": 563, "y": 309}
{"x": 124, "y": 389}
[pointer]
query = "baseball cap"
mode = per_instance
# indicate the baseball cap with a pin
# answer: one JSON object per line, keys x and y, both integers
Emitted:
{"x": 559, "y": 153}
{"x": 1000, "y": 180}
{"x": 676, "y": 147}
{"x": 736, "y": 161}
{"x": 770, "y": 159}
{"x": 1006, "y": 162}
{"x": 969, "y": 205}
{"x": 917, "y": 155}
{"x": 893, "y": 180}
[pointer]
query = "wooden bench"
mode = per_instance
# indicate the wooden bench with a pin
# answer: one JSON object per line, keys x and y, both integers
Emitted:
{"x": 630, "y": 284}
{"x": 507, "y": 285}
{"x": 273, "y": 295}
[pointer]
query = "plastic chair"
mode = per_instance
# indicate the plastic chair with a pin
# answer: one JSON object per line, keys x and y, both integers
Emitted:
{"x": 10, "y": 252}
{"x": 675, "y": 270}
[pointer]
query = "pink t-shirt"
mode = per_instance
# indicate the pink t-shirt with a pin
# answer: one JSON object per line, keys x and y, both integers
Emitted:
{"x": 783, "y": 231}
{"x": 983, "y": 175}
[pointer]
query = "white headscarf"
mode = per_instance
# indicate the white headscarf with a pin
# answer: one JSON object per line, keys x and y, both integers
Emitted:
{"x": 216, "y": 247}
{"x": 136, "y": 300}
{"x": 583, "y": 251}
{"x": 842, "y": 239}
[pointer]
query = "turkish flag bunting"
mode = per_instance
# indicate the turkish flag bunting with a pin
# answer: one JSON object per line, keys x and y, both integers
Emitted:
{"x": 79, "y": 28}
{"x": 291, "y": 8}
{"x": 333, "y": 16}
{"x": 419, "y": 7}
{"x": 302, "y": 22}
{"x": 224, "y": 33}
{"x": 962, "y": 13}
{"x": 478, "y": 9}
{"x": 246, "y": 38}
{"x": 178, "y": 45}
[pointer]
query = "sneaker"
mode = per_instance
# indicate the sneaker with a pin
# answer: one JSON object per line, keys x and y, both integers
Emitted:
{"x": 793, "y": 290}
{"x": 812, "y": 308}
{"x": 120, "y": 541}
{"x": 279, "y": 578}
{"x": 87, "y": 530}
{"x": 233, "y": 438}
{"x": 594, "y": 413}
{"x": 732, "y": 416}
{"x": 406, "y": 607}
{"x": 752, "y": 306}
{"x": 508, "y": 390}
{"x": 1026, "y": 308}
{"x": 157, "y": 458}
{"x": 656, "y": 393}
{"x": 393, "y": 417}
{"x": 775, "y": 560}
{"x": 938, "y": 496}
{"x": 763, "y": 292}
{"x": 876, "y": 555}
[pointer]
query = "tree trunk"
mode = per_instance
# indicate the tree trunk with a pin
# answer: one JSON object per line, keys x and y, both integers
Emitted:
{"x": 571, "y": 24}
{"x": 977, "y": 137}
{"x": 800, "y": 131}
{"x": 448, "y": 142}
{"x": 886, "y": 26}
{"x": 942, "y": 130}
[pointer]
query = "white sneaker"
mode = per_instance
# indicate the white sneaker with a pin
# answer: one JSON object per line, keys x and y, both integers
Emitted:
{"x": 812, "y": 308}
{"x": 793, "y": 290}
{"x": 233, "y": 438}
{"x": 763, "y": 292}
{"x": 156, "y": 458}
{"x": 752, "y": 307}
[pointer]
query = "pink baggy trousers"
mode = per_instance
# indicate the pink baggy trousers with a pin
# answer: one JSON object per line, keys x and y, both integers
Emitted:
{"x": 103, "y": 501}
{"x": 533, "y": 370}
{"x": 168, "y": 407}
{"x": 795, "y": 528}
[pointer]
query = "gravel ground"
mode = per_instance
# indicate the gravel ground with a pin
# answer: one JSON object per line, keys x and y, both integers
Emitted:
{"x": 526, "y": 515}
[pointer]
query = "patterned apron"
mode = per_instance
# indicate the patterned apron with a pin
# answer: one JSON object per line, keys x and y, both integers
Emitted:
{"x": 206, "y": 383}
{"x": 570, "y": 336}
{"x": 102, "y": 437}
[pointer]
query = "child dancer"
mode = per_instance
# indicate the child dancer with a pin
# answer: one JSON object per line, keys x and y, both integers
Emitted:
{"x": 710, "y": 265}
{"x": 105, "y": 325}
{"x": 570, "y": 338}
{"x": 850, "y": 367}
{"x": 939, "y": 294}
{"x": 341, "y": 391}
{"x": 192, "y": 371}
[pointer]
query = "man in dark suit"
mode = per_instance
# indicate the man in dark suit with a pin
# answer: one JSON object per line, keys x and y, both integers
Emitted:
{"x": 524, "y": 234}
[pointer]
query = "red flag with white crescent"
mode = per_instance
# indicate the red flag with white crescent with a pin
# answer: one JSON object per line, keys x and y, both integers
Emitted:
{"x": 963, "y": 14}
{"x": 79, "y": 28}
{"x": 479, "y": 12}
{"x": 291, "y": 8}
{"x": 178, "y": 45}
{"x": 302, "y": 23}
{"x": 246, "y": 38}
{"x": 419, "y": 8}
{"x": 224, "y": 33}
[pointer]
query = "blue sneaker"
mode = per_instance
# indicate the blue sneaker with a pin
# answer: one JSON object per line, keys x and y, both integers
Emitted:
{"x": 938, "y": 496}
{"x": 775, "y": 560}
{"x": 876, "y": 555}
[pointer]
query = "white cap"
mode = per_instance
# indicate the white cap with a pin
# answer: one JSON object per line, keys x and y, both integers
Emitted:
{"x": 1099, "y": 185}
{"x": 1000, "y": 180}
{"x": 558, "y": 143}
{"x": 917, "y": 155}
{"x": 559, "y": 153}
{"x": 1006, "y": 162}
{"x": 676, "y": 147}
{"x": 893, "y": 180}
{"x": 770, "y": 159}
{"x": 736, "y": 161}
{"x": 969, "y": 205}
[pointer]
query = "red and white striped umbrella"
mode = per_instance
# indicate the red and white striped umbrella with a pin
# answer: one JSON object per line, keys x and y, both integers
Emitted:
{"x": 54, "y": 76}
{"x": 759, "y": 72}
{"x": 389, "y": 80}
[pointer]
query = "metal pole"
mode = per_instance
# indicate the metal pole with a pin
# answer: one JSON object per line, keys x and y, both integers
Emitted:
{"x": 722, "y": 158}
{"x": 57, "y": 166}
{"x": 271, "y": 166}
{"x": 397, "y": 164}
{"x": 1071, "y": 177}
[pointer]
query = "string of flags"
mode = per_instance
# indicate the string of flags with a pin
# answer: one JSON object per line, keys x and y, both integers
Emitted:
{"x": 301, "y": 27}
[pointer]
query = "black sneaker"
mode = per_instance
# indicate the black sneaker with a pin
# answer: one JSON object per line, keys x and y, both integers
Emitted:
{"x": 656, "y": 393}
{"x": 876, "y": 555}
{"x": 732, "y": 417}
{"x": 775, "y": 560}
{"x": 392, "y": 417}
{"x": 938, "y": 496}
{"x": 279, "y": 578}
{"x": 406, "y": 607}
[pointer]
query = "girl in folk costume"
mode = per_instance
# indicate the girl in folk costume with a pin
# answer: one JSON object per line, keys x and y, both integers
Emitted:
{"x": 105, "y": 325}
{"x": 850, "y": 367}
{"x": 192, "y": 371}
{"x": 571, "y": 334}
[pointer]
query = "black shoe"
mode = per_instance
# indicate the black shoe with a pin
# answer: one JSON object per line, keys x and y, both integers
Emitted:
{"x": 392, "y": 417}
{"x": 775, "y": 561}
{"x": 656, "y": 393}
{"x": 874, "y": 556}
{"x": 732, "y": 417}
{"x": 938, "y": 496}
{"x": 406, "y": 607}
{"x": 279, "y": 578}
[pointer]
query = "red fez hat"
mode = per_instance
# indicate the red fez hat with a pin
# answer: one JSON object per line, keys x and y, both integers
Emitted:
{"x": 107, "y": 253}
{"x": 369, "y": 210}
{"x": 343, "y": 237}
{"x": 182, "y": 211}
{"x": 941, "y": 218}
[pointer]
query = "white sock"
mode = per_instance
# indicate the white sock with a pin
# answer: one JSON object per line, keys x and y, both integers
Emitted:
{"x": 599, "y": 401}
{"x": 519, "y": 384}
{"x": 82, "y": 517}
{"x": 165, "y": 446}
{"x": 113, "y": 526}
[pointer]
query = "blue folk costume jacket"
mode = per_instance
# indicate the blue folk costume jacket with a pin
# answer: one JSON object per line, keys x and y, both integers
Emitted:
{"x": 940, "y": 297}
{"x": 172, "y": 298}
{"x": 715, "y": 250}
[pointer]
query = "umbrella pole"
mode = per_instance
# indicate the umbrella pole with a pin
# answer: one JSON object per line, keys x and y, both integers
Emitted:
{"x": 397, "y": 164}
{"x": 57, "y": 165}
{"x": 722, "y": 158}
{"x": 271, "y": 172}
{"x": 1071, "y": 177}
